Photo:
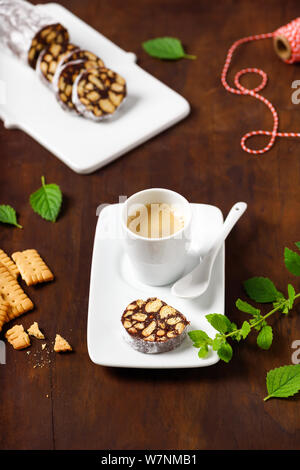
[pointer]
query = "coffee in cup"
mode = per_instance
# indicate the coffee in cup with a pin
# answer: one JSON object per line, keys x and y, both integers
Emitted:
{"x": 156, "y": 226}
{"x": 155, "y": 220}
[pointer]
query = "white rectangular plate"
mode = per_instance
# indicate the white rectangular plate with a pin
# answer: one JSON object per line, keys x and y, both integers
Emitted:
{"x": 83, "y": 145}
{"x": 113, "y": 286}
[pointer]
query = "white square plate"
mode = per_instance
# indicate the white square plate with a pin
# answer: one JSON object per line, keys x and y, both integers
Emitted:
{"x": 113, "y": 286}
{"x": 84, "y": 145}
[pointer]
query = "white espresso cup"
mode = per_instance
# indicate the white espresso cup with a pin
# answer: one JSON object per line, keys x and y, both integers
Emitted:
{"x": 157, "y": 261}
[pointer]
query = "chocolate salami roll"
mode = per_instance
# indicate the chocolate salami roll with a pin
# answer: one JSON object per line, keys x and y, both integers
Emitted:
{"x": 51, "y": 58}
{"x": 152, "y": 326}
{"x": 25, "y": 29}
{"x": 98, "y": 93}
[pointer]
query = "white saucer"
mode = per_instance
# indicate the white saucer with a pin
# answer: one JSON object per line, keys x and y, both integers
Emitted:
{"x": 113, "y": 286}
{"x": 84, "y": 145}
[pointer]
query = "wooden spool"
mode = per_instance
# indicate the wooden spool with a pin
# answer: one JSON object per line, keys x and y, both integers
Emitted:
{"x": 282, "y": 47}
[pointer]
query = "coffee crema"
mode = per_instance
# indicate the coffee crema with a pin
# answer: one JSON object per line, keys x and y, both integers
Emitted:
{"x": 155, "y": 220}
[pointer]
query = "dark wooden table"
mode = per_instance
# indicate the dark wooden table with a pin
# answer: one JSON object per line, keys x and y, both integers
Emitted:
{"x": 70, "y": 403}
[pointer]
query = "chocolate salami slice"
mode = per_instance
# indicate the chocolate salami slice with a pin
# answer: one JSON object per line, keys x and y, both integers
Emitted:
{"x": 51, "y": 58}
{"x": 98, "y": 93}
{"x": 63, "y": 83}
{"x": 82, "y": 54}
{"x": 55, "y": 33}
{"x": 65, "y": 77}
{"x": 152, "y": 326}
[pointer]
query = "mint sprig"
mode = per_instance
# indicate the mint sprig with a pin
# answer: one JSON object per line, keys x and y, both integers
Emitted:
{"x": 262, "y": 290}
{"x": 167, "y": 48}
{"x": 47, "y": 200}
{"x": 8, "y": 215}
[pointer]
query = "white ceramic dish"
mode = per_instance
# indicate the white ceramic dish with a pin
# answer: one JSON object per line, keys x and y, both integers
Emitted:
{"x": 113, "y": 286}
{"x": 84, "y": 145}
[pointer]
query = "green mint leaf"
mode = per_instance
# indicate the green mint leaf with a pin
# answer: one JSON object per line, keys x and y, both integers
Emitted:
{"x": 225, "y": 352}
{"x": 265, "y": 337}
{"x": 292, "y": 293}
{"x": 203, "y": 351}
{"x": 261, "y": 289}
{"x": 198, "y": 335}
{"x": 283, "y": 382}
{"x": 292, "y": 261}
{"x": 46, "y": 201}
{"x": 166, "y": 48}
{"x": 247, "y": 308}
{"x": 217, "y": 342}
{"x": 297, "y": 245}
{"x": 245, "y": 330}
{"x": 220, "y": 322}
{"x": 199, "y": 338}
{"x": 8, "y": 215}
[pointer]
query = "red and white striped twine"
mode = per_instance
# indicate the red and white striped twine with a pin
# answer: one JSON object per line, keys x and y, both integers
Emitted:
{"x": 292, "y": 33}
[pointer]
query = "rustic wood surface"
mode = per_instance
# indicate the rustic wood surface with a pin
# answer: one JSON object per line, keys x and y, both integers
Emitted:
{"x": 70, "y": 403}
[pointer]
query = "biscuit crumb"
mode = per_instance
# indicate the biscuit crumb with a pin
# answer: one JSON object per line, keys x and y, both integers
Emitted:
{"x": 43, "y": 346}
{"x": 61, "y": 345}
{"x": 34, "y": 330}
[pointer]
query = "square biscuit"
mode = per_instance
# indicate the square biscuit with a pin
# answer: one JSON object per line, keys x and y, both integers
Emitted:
{"x": 12, "y": 293}
{"x": 5, "y": 259}
{"x": 32, "y": 267}
{"x": 4, "y": 310}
